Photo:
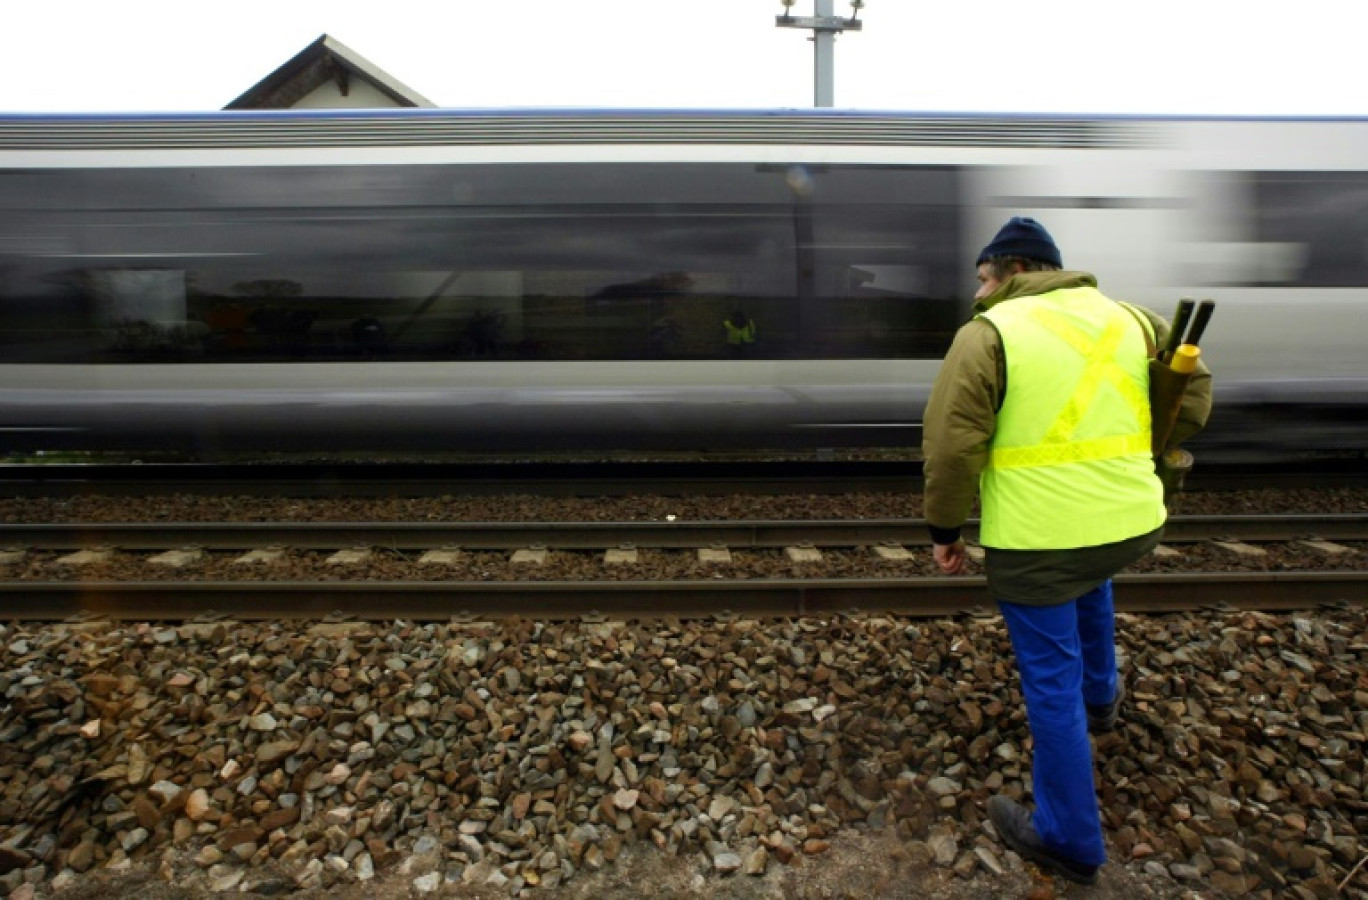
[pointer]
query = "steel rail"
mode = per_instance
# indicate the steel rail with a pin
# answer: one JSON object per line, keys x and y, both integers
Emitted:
{"x": 432, "y": 601}
{"x": 602, "y": 535}
{"x": 1274, "y": 527}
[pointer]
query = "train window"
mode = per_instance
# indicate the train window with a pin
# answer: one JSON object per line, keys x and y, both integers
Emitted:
{"x": 563, "y": 261}
{"x": 1325, "y": 216}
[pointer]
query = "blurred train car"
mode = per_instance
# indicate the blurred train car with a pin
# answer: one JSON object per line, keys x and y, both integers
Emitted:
{"x": 516, "y": 280}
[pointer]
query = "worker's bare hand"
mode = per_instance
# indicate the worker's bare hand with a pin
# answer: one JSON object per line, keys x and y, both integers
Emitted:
{"x": 950, "y": 557}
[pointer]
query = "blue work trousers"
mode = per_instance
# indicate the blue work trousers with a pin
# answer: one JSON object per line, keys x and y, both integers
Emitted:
{"x": 1066, "y": 655}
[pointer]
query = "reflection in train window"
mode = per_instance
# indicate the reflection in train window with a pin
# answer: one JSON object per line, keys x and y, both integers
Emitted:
{"x": 432, "y": 262}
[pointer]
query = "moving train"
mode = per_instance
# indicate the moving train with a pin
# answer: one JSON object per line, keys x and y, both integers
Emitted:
{"x": 510, "y": 280}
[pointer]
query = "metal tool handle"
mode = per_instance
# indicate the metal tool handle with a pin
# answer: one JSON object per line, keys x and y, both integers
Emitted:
{"x": 1199, "y": 321}
{"x": 1180, "y": 321}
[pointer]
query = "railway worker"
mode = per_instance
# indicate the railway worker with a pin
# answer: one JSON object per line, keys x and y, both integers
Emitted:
{"x": 740, "y": 333}
{"x": 1041, "y": 407}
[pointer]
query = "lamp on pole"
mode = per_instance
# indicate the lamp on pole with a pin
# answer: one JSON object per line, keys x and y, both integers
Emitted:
{"x": 824, "y": 26}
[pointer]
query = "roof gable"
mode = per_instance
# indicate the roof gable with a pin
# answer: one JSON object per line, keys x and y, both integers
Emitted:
{"x": 327, "y": 61}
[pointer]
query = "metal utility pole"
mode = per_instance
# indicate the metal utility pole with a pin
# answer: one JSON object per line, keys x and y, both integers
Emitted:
{"x": 825, "y": 27}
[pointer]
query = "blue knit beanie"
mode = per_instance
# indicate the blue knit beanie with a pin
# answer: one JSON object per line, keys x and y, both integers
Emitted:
{"x": 1025, "y": 238}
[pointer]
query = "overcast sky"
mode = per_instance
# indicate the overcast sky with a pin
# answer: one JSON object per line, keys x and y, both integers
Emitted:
{"x": 1109, "y": 56}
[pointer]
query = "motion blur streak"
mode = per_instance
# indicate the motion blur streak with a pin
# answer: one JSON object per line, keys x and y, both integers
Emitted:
{"x": 513, "y": 280}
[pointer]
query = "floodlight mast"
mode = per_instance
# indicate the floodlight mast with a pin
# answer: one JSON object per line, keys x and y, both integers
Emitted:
{"x": 824, "y": 26}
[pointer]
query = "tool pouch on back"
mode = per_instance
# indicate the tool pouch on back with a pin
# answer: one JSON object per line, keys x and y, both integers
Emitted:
{"x": 1172, "y": 467}
{"x": 1166, "y": 389}
{"x": 1166, "y": 398}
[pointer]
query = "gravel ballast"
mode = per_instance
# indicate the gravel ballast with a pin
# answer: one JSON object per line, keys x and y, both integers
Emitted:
{"x": 520, "y": 754}
{"x": 848, "y": 756}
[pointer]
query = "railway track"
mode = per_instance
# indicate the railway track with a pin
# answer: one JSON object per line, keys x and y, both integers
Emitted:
{"x": 606, "y": 535}
{"x": 174, "y": 573}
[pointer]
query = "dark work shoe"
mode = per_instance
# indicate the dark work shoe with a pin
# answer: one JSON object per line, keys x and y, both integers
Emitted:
{"x": 1013, "y": 824}
{"x": 1102, "y": 719}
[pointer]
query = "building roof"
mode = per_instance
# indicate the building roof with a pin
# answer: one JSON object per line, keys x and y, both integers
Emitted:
{"x": 325, "y": 60}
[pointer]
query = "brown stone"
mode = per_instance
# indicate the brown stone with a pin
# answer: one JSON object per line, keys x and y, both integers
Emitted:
{"x": 12, "y": 858}
{"x": 233, "y": 837}
{"x": 102, "y": 685}
{"x": 280, "y": 818}
{"x": 196, "y": 804}
{"x": 82, "y": 856}
{"x": 270, "y": 753}
{"x": 147, "y": 811}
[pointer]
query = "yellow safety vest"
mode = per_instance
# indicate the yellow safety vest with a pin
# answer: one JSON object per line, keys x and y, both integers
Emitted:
{"x": 1069, "y": 462}
{"x": 744, "y": 334}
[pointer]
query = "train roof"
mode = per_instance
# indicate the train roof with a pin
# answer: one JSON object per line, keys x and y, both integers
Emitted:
{"x": 229, "y": 129}
{"x": 644, "y": 113}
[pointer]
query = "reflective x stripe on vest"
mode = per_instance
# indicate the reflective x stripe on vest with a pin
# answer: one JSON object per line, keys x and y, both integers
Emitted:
{"x": 1058, "y": 445}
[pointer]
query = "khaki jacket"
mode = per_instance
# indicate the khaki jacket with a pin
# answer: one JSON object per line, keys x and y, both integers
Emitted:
{"x": 962, "y": 411}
